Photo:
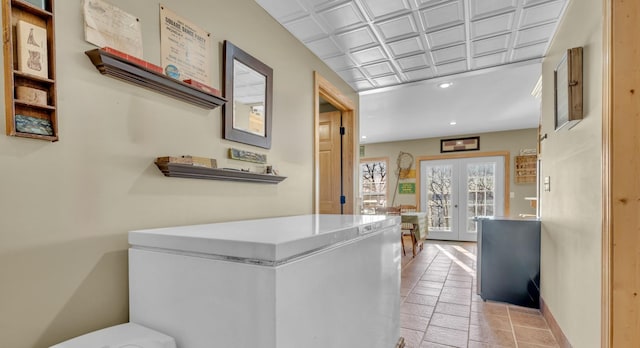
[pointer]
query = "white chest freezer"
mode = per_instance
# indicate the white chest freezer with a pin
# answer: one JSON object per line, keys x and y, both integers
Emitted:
{"x": 312, "y": 281}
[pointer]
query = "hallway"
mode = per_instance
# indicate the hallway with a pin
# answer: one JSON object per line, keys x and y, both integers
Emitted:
{"x": 439, "y": 306}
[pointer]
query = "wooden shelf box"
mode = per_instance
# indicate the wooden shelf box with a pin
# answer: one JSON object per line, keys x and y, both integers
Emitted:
{"x": 29, "y": 69}
{"x": 526, "y": 169}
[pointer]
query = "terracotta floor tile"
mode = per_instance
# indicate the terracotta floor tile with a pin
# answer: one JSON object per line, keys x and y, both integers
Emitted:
{"x": 416, "y": 309}
{"x": 490, "y": 335}
{"x": 450, "y": 321}
{"x": 448, "y": 290}
{"x": 489, "y": 308}
{"x": 434, "y": 277}
{"x": 426, "y": 291}
{"x": 460, "y": 278}
{"x": 449, "y": 337}
{"x": 457, "y": 299}
{"x": 426, "y": 344}
{"x": 524, "y": 309}
{"x": 531, "y": 345}
{"x": 475, "y": 344}
{"x": 453, "y": 309}
{"x": 412, "y": 338}
{"x": 413, "y": 322}
{"x": 422, "y": 299}
{"x": 404, "y": 291}
{"x": 529, "y": 320}
{"x": 430, "y": 284}
{"x": 493, "y": 321}
{"x": 457, "y": 284}
{"x": 535, "y": 336}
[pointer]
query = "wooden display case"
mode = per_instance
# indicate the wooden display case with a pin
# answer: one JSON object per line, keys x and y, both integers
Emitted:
{"x": 29, "y": 69}
{"x": 526, "y": 169}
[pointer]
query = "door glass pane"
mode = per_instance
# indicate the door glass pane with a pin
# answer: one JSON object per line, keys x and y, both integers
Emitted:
{"x": 481, "y": 179}
{"x": 439, "y": 212}
{"x": 373, "y": 192}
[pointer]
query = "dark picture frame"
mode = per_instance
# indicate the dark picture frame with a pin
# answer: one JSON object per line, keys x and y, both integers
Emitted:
{"x": 460, "y": 144}
{"x": 568, "y": 90}
{"x": 233, "y": 54}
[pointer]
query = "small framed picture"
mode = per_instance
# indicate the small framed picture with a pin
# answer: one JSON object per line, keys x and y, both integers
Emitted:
{"x": 32, "y": 49}
{"x": 460, "y": 144}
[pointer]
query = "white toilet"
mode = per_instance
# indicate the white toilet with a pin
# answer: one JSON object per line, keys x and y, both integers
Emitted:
{"x": 127, "y": 335}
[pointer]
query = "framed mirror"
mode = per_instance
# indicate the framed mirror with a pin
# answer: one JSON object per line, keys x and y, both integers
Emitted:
{"x": 248, "y": 87}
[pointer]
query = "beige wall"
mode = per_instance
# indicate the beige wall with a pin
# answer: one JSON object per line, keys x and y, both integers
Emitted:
{"x": 571, "y": 211}
{"x": 66, "y": 207}
{"x": 512, "y": 141}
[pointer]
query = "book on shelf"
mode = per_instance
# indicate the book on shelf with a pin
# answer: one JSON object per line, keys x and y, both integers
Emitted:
{"x": 32, "y": 49}
{"x": 132, "y": 59}
{"x": 203, "y": 87}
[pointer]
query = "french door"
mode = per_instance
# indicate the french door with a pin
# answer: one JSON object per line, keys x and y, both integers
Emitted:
{"x": 454, "y": 191}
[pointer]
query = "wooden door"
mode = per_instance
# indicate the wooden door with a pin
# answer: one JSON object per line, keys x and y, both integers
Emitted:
{"x": 330, "y": 162}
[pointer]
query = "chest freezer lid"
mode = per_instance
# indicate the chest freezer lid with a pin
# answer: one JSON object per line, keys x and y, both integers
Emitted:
{"x": 264, "y": 241}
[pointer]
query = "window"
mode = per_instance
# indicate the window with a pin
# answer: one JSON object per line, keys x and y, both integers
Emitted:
{"x": 373, "y": 184}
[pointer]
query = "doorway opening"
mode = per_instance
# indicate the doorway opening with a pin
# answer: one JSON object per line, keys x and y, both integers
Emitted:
{"x": 334, "y": 153}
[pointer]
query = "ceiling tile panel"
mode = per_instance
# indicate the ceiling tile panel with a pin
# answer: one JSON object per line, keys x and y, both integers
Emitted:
{"x": 533, "y": 35}
{"x": 492, "y": 26}
{"x": 490, "y": 45}
{"x": 324, "y": 48}
{"x": 356, "y": 38}
{"x": 527, "y": 52}
{"x": 319, "y": 4}
{"x": 339, "y": 62}
{"x": 446, "y": 37}
{"x": 452, "y": 68}
{"x": 489, "y": 60}
{"x": 481, "y": 8}
{"x": 541, "y": 13}
{"x": 407, "y": 46}
{"x": 378, "y": 69}
{"x": 419, "y": 74}
{"x": 383, "y": 8}
{"x": 361, "y": 85}
{"x": 387, "y": 81}
{"x": 443, "y": 15}
{"x": 397, "y": 27}
{"x": 305, "y": 29}
{"x": 369, "y": 55}
{"x": 449, "y": 54}
{"x": 413, "y": 62}
{"x": 353, "y": 74}
{"x": 283, "y": 10}
{"x": 342, "y": 17}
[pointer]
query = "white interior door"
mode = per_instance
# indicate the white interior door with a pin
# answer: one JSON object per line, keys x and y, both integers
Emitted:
{"x": 457, "y": 190}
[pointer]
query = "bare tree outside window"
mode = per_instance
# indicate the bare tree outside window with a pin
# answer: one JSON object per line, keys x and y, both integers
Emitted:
{"x": 373, "y": 189}
{"x": 439, "y": 197}
{"x": 481, "y": 189}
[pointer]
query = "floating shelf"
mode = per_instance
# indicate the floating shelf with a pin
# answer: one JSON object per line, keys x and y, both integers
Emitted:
{"x": 119, "y": 68}
{"x": 193, "y": 172}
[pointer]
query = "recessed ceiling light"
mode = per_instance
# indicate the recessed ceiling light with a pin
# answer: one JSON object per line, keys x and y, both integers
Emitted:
{"x": 453, "y": 123}
{"x": 364, "y": 137}
{"x": 445, "y": 84}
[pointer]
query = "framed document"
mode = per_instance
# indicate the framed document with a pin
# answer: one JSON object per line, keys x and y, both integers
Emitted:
{"x": 568, "y": 89}
{"x": 32, "y": 49}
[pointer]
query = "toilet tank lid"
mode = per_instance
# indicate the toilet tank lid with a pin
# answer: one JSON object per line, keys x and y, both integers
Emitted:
{"x": 120, "y": 335}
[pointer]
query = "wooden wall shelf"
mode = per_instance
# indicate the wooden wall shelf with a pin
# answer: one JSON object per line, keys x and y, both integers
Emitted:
{"x": 122, "y": 69}
{"x": 194, "y": 172}
{"x": 30, "y": 84}
{"x": 526, "y": 169}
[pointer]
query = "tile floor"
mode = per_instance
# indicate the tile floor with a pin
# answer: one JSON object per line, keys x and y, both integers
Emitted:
{"x": 439, "y": 306}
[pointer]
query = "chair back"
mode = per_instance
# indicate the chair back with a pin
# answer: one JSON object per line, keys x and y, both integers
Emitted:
{"x": 406, "y": 208}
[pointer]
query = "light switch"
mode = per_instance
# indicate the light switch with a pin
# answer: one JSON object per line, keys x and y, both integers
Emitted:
{"x": 512, "y": 195}
{"x": 547, "y": 184}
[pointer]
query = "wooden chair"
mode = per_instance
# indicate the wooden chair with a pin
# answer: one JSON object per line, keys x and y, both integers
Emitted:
{"x": 407, "y": 228}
